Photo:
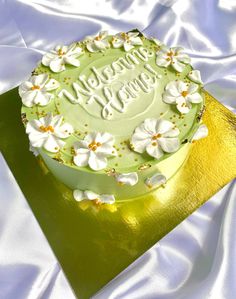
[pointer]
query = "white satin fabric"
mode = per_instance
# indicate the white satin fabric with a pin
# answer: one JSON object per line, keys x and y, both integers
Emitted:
{"x": 197, "y": 260}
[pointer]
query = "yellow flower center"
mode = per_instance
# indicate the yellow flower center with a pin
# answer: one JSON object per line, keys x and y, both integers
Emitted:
{"x": 94, "y": 145}
{"x": 98, "y": 38}
{"x": 35, "y": 87}
{"x": 124, "y": 36}
{"x": 60, "y": 52}
{"x": 170, "y": 55}
{"x": 155, "y": 137}
{"x": 47, "y": 129}
{"x": 184, "y": 93}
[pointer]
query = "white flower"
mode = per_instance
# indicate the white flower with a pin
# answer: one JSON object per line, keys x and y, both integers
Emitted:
{"x": 127, "y": 40}
{"x": 201, "y": 132}
{"x": 195, "y": 76}
{"x": 89, "y": 195}
{"x": 62, "y": 55}
{"x": 182, "y": 94}
{"x": 155, "y": 136}
{"x": 94, "y": 150}
{"x": 35, "y": 91}
{"x": 156, "y": 180}
{"x": 127, "y": 178}
{"x": 172, "y": 56}
{"x": 97, "y": 43}
{"x": 48, "y": 132}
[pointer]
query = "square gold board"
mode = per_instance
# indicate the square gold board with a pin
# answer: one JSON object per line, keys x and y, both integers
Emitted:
{"x": 94, "y": 244}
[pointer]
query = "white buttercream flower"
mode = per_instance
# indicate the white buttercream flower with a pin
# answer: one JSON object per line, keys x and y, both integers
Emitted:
{"x": 127, "y": 40}
{"x": 97, "y": 198}
{"x": 94, "y": 149}
{"x": 172, "y": 56}
{"x": 57, "y": 59}
{"x": 97, "y": 43}
{"x": 182, "y": 94}
{"x": 201, "y": 132}
{"x": 156, "y": 180}
{"x": 35, "y": 91}
{"x": 48, "y": 132}
{"x": 127, "y": 178}
{"x": 155, "y": 136}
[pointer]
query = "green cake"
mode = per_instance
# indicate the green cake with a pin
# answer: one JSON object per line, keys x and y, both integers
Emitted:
{"x": 113, "y": 117}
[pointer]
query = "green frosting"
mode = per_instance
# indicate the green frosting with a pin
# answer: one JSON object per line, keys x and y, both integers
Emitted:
{"x": 130, "y": 105}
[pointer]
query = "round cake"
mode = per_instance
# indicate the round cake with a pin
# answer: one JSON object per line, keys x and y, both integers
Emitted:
{"x": 113, "y": 117}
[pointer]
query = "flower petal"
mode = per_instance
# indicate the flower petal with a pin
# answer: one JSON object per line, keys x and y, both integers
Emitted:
{"x": 81, "y": 144}
{"x": 39, "y": 80}
{"x": 52, "y": 144}
{"x": 201, "y": 132}
{"x": 72, "y": 61}
{"x": 183, "y": 58}
{"x": 192, "y": 88}
{"x": 194, "y": 98}
{"x": 91, "y": 47}
{"x": 47, "y": 58}
{"x": 183, "y": 106}
{"x": 154, "y": 151}
{"x": 57, "y": 65}
{"x": 117, "y": 42}
{"x": 160, "y": 61}
{"x": 52, "y": 84}
{"x": 37, "y": 140}
{"x": 128, "y": 46}
{"x": 169, "y": 145}
{"x": 64, "y": 131}
{"x": 28, "y": 98}
{"x": 172, "y": 133}
{"x": 107, "y": 198}
{"x": 101, "y": 44}
{"x": 78, "y": 195}
{"x": 156, "y": 180}
{"x": 127, "y": 178}
{"x": 25, "y": 87}
{"x": 81, "y": 158}
{"x": 90, "y": 195}
{"x": 136, "y": 41}
{"x": 106, "y": 150}
{"x": 105, "y": 138}
{"x": 163, "y": 126}
{"x": 172, "y": 88}
{"x": 177, "y": 65}
{"x": 97, "y": 161}
{"x": 42, "y": 99}
{"x": 195, "y": 76}
{"x": 140, "y": 142}
{"x": 168, "y": 99}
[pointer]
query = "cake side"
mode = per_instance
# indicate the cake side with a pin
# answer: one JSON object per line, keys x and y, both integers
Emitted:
{"x": 114, "y": 114}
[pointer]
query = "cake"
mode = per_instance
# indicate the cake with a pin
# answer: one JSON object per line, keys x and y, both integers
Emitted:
{"x": 113, "y": 116}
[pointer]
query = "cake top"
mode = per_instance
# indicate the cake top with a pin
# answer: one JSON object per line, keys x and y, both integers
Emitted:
{"x": 122, "y": 102}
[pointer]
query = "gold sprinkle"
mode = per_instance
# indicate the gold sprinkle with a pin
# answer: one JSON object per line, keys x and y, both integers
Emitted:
{"x": 144, "y": 166}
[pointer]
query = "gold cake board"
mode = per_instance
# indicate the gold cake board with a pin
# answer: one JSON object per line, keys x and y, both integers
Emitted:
{"x": 95, "y": 244}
